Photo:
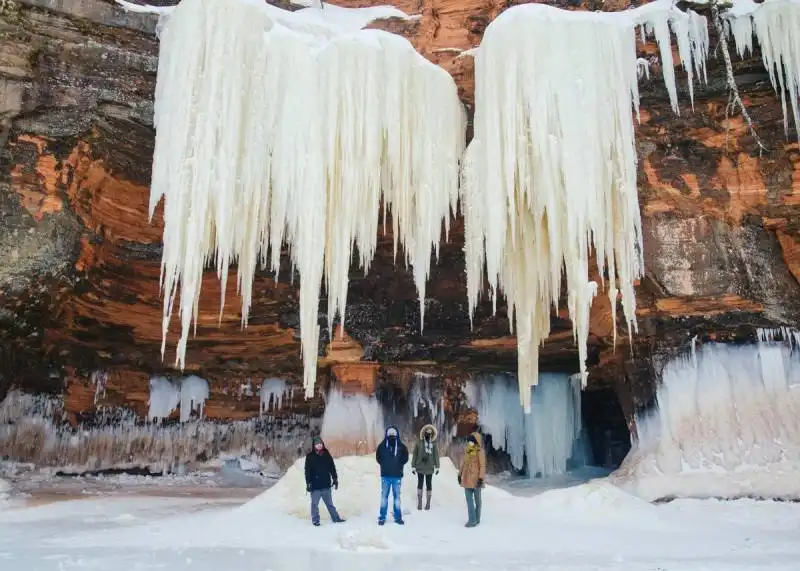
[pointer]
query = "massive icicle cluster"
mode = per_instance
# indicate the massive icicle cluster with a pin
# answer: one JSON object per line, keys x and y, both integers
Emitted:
{"x": 544, "y": 186}
{"x": 727, "y": 424}
{"x": 541, "y": 441}
{"x": 281, "y": 127}
{"x": 543, "y": 183}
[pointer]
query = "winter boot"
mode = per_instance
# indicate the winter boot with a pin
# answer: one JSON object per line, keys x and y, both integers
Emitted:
{"x": 428, "y": 500}
{"x": 399, "y": 521}
{"x": 419, "y": 499}
{"x": 381, "y": 521}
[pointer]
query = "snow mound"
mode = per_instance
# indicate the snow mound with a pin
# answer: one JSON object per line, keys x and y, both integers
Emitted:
{"x": 597, "y": 498}
{"x": 359, "y": 491}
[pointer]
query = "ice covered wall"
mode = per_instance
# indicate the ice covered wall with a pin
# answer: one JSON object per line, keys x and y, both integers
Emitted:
{"x": 352, "y": 423}
{"x": 32, "y": 429}
{"x": 541, "y": 441}
{"x": 726, "y": 423}
{"x": 310, "y": 126}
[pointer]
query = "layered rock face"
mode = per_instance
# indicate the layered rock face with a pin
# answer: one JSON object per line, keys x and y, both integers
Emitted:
{"x": 80, "y": 262}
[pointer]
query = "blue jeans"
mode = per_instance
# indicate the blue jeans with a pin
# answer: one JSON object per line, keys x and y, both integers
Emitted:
{"x": 392, "y": 484}
{"x": 473, "y": 496}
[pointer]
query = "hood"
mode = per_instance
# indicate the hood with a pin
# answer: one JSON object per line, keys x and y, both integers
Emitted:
{"x": 388, "y": 428}
{"x": 478, "y": 438}
{"x": 424, "y": 428}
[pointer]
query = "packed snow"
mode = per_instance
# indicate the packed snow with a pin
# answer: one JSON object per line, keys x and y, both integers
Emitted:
{"x": 585, "y": 527}
{"x": 272, "y": 393}
{"x": 289, "y": 496}
{"x": 727, "y": 424}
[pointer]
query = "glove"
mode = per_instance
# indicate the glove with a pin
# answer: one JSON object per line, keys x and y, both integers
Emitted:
{"x": 308, "y": 487}
{"x": 336, "y": 484}
{"x": 480, "y": 482}
{"x": 413, "y": 471}
{"x": 437, "y": 471}
{"x": 459, "y": 479}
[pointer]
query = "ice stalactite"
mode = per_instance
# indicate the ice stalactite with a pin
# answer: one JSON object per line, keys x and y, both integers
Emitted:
{"x": 422, "y": 396}
{"x": 165, "y": 397}
{"x": 775, "y": 23}
{"x": 352, "y": 423}
{"x": 543, "y": 184}
{"x": 657, "y": 19}
{"x": 99, "y": 380}
{"x": 190, "y": 394}
{"x": 194, "y": 393}
{"x": 541, "y": 441}
{"x": 275, "y": 127}
{"x": 272, "y": 393}
{"x": 726, "y": 424}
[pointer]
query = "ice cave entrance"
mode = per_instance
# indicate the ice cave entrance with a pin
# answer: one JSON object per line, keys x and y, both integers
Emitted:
{"x": 549, "y": 441}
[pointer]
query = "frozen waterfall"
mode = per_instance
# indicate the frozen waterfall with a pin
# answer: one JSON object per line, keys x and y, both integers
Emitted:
{"x": 726, "y": 424}
{"x": 542, "y": 441}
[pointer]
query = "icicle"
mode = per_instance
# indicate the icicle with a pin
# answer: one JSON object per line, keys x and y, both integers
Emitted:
{"x": 775, "y": 23}
{"x": 194, "y": 393}
{"x": 165, "y": 397}
{"x": 691, "y": 31}
{"x": 542, "y": 184}
{"x": 271, "y": 394}
{"x": 241, "y": 178}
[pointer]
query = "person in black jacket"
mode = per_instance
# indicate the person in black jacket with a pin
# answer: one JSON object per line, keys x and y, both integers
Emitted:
{"x": 320, "y": 476}
{"x": 391, "y": 455}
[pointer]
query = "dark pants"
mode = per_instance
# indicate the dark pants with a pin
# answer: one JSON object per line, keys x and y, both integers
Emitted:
{"x": 327, "y": 499}
{"x": 427, "y": 478}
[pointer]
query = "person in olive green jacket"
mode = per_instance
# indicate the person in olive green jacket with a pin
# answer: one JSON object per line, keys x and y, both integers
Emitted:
{"x": 425, "y": 463}
{"x": 471, "y": 475}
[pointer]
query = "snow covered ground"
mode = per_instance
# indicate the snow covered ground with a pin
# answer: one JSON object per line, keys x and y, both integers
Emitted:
{"x": 583, "y": 527}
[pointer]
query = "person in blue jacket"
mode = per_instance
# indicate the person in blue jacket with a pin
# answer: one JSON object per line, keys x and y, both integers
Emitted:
{"x": 391, "y": 455}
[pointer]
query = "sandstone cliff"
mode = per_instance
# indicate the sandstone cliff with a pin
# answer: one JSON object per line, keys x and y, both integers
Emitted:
{"x": 79, "y": 261}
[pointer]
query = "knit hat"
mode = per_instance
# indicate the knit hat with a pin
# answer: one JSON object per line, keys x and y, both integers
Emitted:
{"x": 317, "y": 440}
{"x": 471, "y": 438}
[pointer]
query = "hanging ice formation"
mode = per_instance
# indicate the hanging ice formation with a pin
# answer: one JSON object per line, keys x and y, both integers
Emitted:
{"x": 726, "y": 424}
{"x": 281, "y": 127}
{"x": 775, "y": 24}
{"x": 190, "y": 394}
{"x": 272, "y": 394}
{"x": 422, "y": 396}
{"x": 545, "y": 186}
{"x": 541, "y": 441}
{"x": 351, "y": 423}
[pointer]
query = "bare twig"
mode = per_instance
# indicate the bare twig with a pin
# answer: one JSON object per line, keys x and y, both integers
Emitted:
{"x": 735, "y": 100}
